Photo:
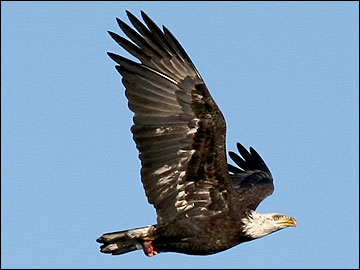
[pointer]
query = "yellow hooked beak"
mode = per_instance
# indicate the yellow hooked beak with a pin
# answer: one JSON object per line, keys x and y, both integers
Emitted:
{"x": 288, "y": 221}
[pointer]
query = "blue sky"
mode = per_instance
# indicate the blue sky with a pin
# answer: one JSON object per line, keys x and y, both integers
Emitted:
{"x": 285, "y": 75}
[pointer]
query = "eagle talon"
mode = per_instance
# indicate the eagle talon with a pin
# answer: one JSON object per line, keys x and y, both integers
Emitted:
{"x": 149, "y": 249}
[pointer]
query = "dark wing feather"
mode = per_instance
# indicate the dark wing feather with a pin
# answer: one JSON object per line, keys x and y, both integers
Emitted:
{"x": 252, "y": 181}
{"x": 178, "y": 128}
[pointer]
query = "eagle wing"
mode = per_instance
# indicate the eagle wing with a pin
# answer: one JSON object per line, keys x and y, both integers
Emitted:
{"x": 252, "y": 181}
{"x": 178, "y": 128}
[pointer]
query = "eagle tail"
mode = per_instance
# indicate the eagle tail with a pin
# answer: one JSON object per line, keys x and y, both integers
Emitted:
{"x": 117, "y": 243}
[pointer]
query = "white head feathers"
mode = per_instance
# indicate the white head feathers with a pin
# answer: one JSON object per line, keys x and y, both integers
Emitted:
{"x": 257, "y": 225}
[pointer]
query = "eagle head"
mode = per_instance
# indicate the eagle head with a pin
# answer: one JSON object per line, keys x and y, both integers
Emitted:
{"x": 256, "y": 225}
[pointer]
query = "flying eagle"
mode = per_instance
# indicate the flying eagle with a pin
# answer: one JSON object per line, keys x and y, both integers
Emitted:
{"x": 204, "y": 205}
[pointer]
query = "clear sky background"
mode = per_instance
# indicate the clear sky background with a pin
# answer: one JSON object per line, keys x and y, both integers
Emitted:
{"x": 285, "y": 75}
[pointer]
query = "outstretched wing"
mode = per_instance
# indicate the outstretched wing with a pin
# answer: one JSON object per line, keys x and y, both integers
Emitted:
{"x": 252, "y": 181}
{"x": 178, "y": 128}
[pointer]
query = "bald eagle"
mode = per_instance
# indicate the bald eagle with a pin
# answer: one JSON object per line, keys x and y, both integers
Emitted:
{"x": 204, "y": 205}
